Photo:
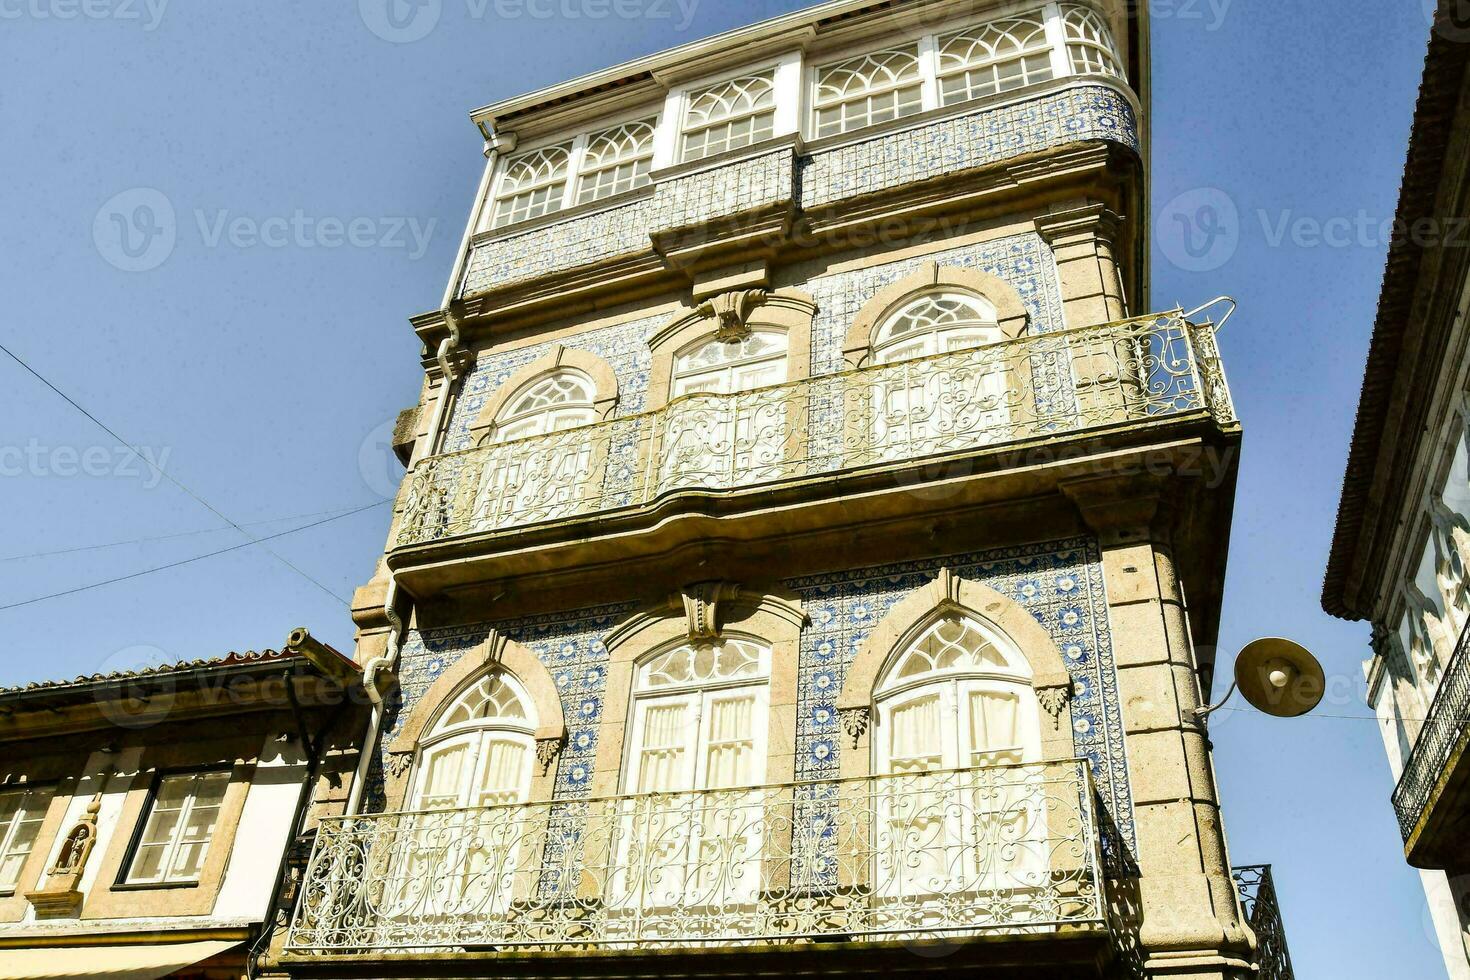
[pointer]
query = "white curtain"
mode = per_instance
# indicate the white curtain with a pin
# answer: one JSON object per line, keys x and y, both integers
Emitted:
{"x": 661, "y": 763}
{"x": 444, "y": 776}
{"x": 731, "y": 743}
{"x": 917, "y": 737}
{"x": 504, "y": 771}
{"x": 993, "y": 728}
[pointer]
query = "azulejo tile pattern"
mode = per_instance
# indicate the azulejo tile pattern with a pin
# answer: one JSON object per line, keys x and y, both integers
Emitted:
{"x": 1092, "y": 112}
{"x": 1084, "y": 113}
{"x": 1024, "y": 261}
{"x": 679, "y": 202}
{"x": 1059, "y": 582}
{"x": 624, "y": 346}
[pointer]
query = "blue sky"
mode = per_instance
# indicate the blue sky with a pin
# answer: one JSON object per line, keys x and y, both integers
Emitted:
{"x": 319, "y": 176}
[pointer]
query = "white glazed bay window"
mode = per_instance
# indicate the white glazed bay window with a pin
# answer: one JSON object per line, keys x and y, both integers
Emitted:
{"x": 958, "y": 66}
{"x": 180, "y": 824}
{"x": 729, "y": 115}
{"x": 21, "y": 813}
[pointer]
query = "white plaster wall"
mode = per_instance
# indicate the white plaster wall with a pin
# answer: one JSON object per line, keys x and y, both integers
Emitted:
{"x": 265, "y": 826}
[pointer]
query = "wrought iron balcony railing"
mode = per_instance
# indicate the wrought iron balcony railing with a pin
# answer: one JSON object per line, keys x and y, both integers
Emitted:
{"x": 1040, "y": 386}
{"x": 1445, "y": 730}
{"x": 1263, "y": 912}
{"x": 1021, "y": 850}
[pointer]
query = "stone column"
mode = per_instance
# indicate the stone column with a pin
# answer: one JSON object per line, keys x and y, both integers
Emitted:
{"x": 1191, "y": 917}
{"x": 1082, "y": 236}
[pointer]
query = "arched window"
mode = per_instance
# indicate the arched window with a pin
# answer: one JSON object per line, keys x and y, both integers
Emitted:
{"x": 954, "y": 704}
{"x": 939, "y": 407}
{"x": 934, "y": 324}
{"x": 480, "y": 750}
{"x": 956, "y": 697}
{"x": 725, "y": 441}
{"x": 557, "y": 401}
{"x": 711, "y": 365}
{"x": 1090, "y": 47}
{"x": 1449, "y": 573}
{"x": 697, "y": 743}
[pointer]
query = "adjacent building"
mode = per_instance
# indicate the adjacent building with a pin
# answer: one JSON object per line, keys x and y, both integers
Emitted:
{"x": 145, "y": 816}
{"x": 813, "y": 541}
{"x": 1403, "y": 527}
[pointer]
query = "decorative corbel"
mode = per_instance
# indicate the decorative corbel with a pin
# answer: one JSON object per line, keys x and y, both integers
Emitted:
{"x": 396, "y": 762}
{"x": 701, "y": 605}
{"x": 1054, "y": 700}
{"x": 855, "y": 722}
{"x": 732, "y": 311}
{"x": 547, "y": 751}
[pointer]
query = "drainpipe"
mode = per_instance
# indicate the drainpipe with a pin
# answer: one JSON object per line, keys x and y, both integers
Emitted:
{"x": 388, "y": 662}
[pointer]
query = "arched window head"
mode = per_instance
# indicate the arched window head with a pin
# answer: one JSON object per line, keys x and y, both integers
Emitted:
{"x": 956, "y": 695}
{"x": 1090, "y": 47}
{"x": 479, "y": 750}
{"x": 721, "y": 660}
{"x": 561, "y": 400}
{"x": 712, "y": 365}
{"x": 934, "y": 324}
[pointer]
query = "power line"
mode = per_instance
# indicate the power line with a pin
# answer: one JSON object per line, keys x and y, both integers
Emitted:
{"x": 159, "y": 470}
{"x": 187, "y": 561}
{"x": 181, "y": 534}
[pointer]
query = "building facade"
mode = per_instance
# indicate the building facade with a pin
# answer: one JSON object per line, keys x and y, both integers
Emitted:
{"x": 145, "y": 816}
{"x": 1403, "y": 528}
{"x": 812, "y": 541}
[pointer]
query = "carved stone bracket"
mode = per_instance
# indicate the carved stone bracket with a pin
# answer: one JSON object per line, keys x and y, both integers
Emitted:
{"x": 547, "y": 751}
{"x": 701, "y": 605}
{"x": 854, "y": 722}
{"x": 396, "y": 763}
{"x": 732, "y": 311}
{"x": 1053, "y": 701}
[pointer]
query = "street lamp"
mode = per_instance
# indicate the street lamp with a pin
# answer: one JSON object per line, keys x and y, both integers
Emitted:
{"x": 1278, "y": 677}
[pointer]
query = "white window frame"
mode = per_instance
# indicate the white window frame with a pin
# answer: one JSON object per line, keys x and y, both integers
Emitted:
{"x": 34, "y": 802}
{"x": 921, "y": 81}
{"x": 176, "y": 839}
{"x": 585, "y": 170}
{"x": 689, "y": 93}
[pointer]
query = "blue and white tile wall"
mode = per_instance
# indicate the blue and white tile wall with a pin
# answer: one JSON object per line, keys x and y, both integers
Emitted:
{"x": 1059, "y": 582}
{"x": 1024, "y": 261}
{"x": 1084, "y": 113}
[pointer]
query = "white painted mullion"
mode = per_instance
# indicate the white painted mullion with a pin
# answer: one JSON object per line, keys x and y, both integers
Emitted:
{"x": 788, "y": 94}
{"x": 1056, "y": 37}
{"x": 574, "y": 171}
{"x": 929, "y": 71}
{"x": 666, "y": 132}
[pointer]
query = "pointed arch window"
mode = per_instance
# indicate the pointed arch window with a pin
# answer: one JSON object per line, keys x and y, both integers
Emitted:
{"x": 697, "y": 746}
{"x": 955, "y": 703}
{"x": 474, "y": 762}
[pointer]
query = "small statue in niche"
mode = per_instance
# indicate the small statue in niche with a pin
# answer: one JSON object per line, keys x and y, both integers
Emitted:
{"x": 72, "y": 858}
{"x": 61, "y": 897}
